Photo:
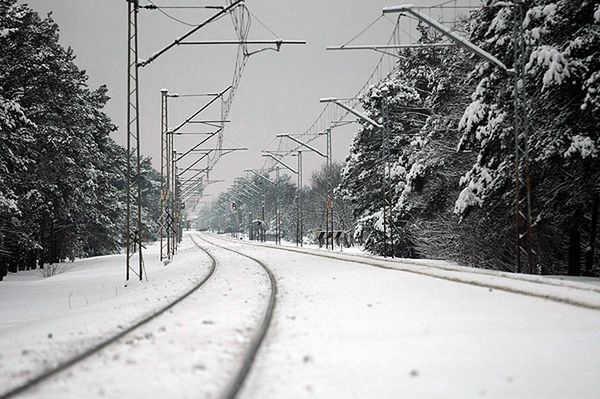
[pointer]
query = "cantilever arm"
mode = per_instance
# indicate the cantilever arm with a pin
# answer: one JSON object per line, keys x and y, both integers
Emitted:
{"x": 313, "y": 149}
{"x": 177, "y": 41}
{"x": 200, "y": 110}
{"x": 281, "y": 163}
{"x": 412, "y": 10}
{"x": 352, "y": 111}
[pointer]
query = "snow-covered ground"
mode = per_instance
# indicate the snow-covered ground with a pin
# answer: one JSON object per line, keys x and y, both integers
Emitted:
{"x": 342, "y": 329}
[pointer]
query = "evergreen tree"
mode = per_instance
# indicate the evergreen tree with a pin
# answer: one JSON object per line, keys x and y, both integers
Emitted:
{"x": 424, "y": 98}
{"x": 62, "y": 189}
{"x": 562, "y": 88}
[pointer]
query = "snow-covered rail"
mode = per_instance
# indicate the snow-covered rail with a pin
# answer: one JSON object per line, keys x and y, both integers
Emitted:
{"x": 236, "y": 384}
{"x": 111, "y": 340}
{"x": 571, "y": 293}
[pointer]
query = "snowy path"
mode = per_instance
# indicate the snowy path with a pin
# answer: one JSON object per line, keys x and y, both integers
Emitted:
{"x": 342, "y": 329}
{"x": 345, "y": 330}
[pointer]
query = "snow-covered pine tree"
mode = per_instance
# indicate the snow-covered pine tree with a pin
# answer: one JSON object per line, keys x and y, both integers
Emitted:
{"x": 426, "y": 96}
{"x": 363, "y": 174}
{"x": 61, "y": 179}
{"x": 563, "y": 109}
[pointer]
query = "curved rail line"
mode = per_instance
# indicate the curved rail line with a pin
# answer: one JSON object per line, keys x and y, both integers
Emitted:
{"x": 373, "y": 262}
{"x": 65, "y": 364}
{"x": 238, "y": 381}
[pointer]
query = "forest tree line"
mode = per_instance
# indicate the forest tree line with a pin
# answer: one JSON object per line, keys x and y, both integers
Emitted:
{"x": 254, "y": 200}
{"x": 62, "y": 186}
{"x": 453, "y": 144}
{"x": 452, "y": 163}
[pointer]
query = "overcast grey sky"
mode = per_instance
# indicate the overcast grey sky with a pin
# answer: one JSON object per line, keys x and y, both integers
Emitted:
{"x": 279, "y": 92}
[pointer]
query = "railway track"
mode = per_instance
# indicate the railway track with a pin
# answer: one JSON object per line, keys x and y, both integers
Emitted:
{"x": 468, "y": 277}
{"x": 85, "y": 354}
{"x": 235, "y": 384}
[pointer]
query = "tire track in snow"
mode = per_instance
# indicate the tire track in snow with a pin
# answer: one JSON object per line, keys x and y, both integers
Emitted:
{"x": 72, "y": 361}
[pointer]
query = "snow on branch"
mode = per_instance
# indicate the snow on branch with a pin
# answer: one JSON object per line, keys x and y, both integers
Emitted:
{"x": 555, "y": 63}
{"x": 582, "y": 146}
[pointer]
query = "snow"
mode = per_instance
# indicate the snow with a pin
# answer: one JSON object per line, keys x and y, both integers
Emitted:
{"x": 192, "y": 351}
{"x": 473, "y": 115}
{"x": 341, "y": 329}
{"x": 466, "y": 199}
{"x": 396, "y": 171}
{"x": 8, "y": 204}
{"x": 582, "y": 146}
{"x": 345, "y": 330}
{"x": 476, "y": 180}
{"x": 41, "y": 318}
{"x": 547, "y": 11}
{"x": 556, "y": 64}
{"x": 590, "y": 87}
{"x": 536, "y": 33}
{"x": 501, "y": 21}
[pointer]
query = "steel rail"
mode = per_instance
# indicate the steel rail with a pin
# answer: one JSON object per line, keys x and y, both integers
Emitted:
{"x": 78, "y": 358}
{"x": 238, "y": 381}
{"x": 368, "y": 261}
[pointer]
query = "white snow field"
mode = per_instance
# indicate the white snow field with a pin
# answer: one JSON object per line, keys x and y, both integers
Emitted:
{"x": 342, "y": 328}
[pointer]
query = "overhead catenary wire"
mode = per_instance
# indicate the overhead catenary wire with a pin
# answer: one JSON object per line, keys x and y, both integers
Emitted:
{"x": 166, "y": 14}
{"x": 364, "y": 30}
{"x": 329, "y": 117}
{"x": 263, "y": 24}
{"x": 241, "y": 18}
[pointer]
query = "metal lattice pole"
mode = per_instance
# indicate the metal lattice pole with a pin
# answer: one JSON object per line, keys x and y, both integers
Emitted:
{"x": 164, "y": 174}
{"x": 523, "y": 213}
{"x": 386, "y": 156}
{"x": 264, "y": 200}
{"x": 133, "y": 222}
{"x": 169, "y": 170}
{"x": 176, "y": 205}
{"x": 300, "y": 205}
{"x": 329, "y": 205}
{"x": 173, "y": 195}
{"x": 277, "y": 230}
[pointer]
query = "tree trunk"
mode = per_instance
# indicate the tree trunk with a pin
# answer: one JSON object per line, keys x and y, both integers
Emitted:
{"x": 590, "y": 250}
{"x": 31, "y": 260}
{"x": 12, "y": 265}
{"x": 3, "y": 269}
{"x": 44, "y": 248}
{"x": 3, "y": 258}
{"x": 575, "y": 246}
